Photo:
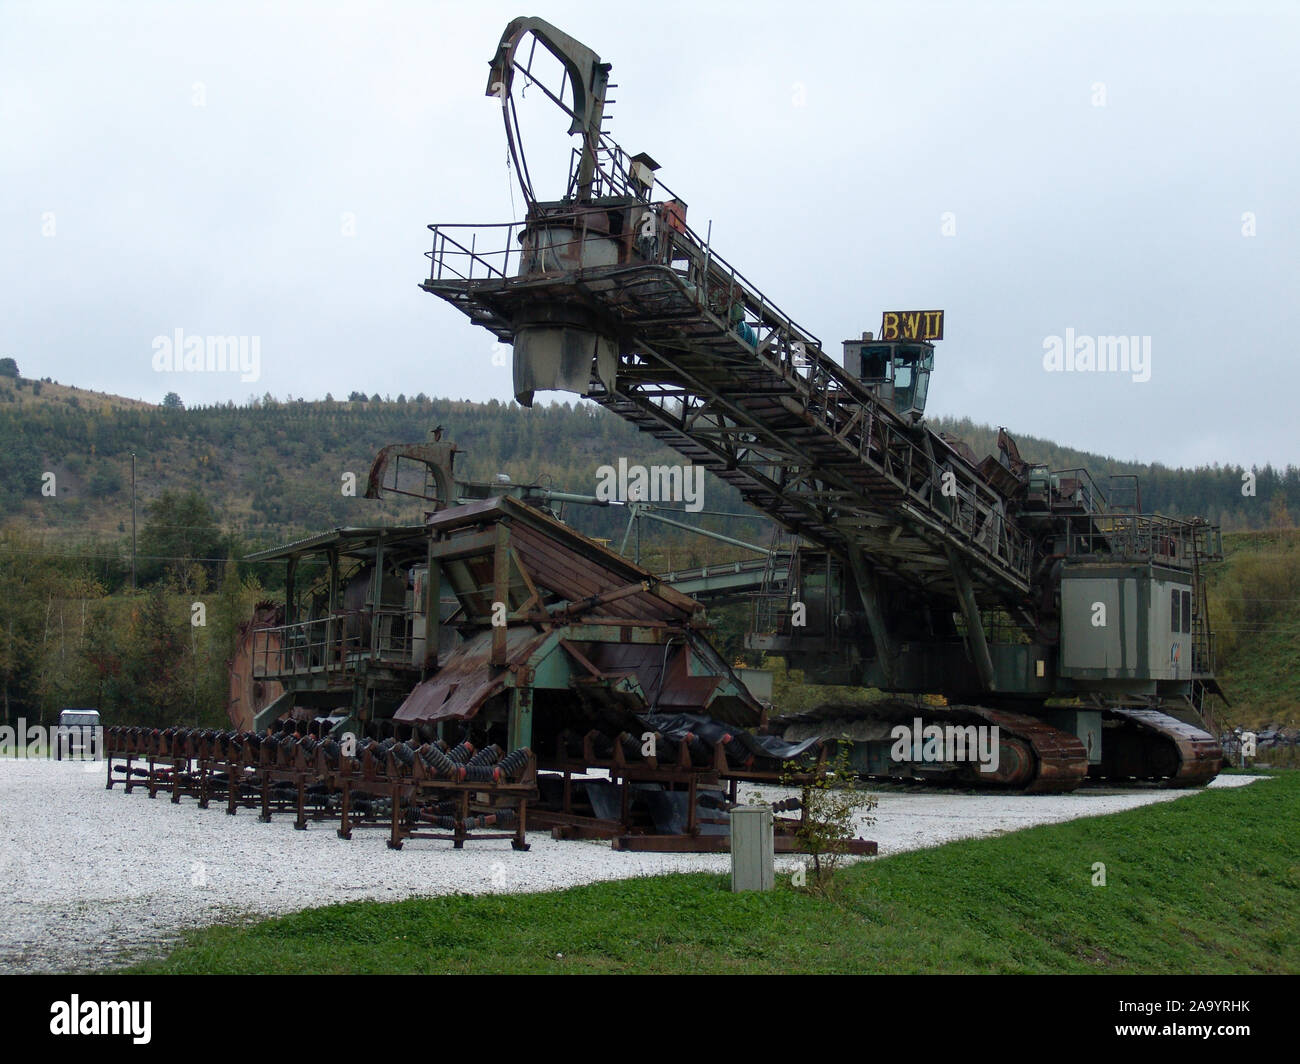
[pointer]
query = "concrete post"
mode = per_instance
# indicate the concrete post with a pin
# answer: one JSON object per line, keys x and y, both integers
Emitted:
{"x": 752, "y": 848}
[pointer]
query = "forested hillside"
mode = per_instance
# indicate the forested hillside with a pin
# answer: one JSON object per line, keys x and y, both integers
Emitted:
{"x": 273, "y": 468}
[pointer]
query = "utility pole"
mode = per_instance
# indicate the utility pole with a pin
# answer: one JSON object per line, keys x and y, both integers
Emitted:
{"x": 132, "y": 520}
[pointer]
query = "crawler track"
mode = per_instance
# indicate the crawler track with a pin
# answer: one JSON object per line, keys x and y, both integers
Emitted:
{"x": 1060, "y": 760}
{"x": 1033, "y": 756}
{"x": 1146, "y": 744}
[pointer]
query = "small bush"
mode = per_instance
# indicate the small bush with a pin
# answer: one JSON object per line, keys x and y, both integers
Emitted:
{"x": 831, "y": 804}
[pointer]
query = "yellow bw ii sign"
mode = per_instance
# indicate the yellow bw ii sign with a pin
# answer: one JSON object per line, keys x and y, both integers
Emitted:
{"x": 911, "y": 325}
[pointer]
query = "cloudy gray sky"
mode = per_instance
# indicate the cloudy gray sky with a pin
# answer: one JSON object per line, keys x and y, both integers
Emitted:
{"x": 1028, "y": 168}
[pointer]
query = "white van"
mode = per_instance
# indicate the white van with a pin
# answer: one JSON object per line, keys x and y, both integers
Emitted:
{"x": 78, "y": 735}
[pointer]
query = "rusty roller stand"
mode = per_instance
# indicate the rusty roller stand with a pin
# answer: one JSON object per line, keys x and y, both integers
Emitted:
{"x": 409, "y": 786}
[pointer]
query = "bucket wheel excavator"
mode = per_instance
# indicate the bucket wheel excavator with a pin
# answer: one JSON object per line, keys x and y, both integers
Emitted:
{"x": 1050, "y": 622}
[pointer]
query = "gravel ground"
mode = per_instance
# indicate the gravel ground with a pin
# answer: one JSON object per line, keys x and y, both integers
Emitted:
{"x": 96, "y": 878}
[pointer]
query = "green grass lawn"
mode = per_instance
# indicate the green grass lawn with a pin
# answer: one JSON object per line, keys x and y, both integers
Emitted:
{"x": 1209, "y": 883}
{"x": 1261, "y": 683}
{"x": 1255, "y": 609}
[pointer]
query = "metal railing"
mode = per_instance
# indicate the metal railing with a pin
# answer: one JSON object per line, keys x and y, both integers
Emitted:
{"x": 1091, "y": 497}
{"x": 468, "y": 252}
{"x": 850, "y": 413}
{"x": 1141, "y": 537}
{"x": 335, "y": 643}
{"x": 961, "y": 505}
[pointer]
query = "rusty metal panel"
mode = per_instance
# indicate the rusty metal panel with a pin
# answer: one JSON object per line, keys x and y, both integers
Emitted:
{"x": 437, "y": 457}
{"x": 250, "y": 690}
{"x": 466, "y": 681}
{"x": 559, "y": 561}
{"x": 674, "y": 688}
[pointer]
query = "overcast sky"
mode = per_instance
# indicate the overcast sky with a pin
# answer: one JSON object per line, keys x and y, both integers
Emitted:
{"x": 1030, "y": 169}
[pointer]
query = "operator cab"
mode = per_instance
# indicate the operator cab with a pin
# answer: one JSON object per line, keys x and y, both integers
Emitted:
{"x": 896, "y": 371}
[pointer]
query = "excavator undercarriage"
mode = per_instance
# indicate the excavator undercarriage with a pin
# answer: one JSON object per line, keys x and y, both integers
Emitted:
{"x": 1032, "y": 755}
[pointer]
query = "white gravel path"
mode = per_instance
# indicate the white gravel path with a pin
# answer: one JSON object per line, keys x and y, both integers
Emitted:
{"x": 96, "y": 878}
